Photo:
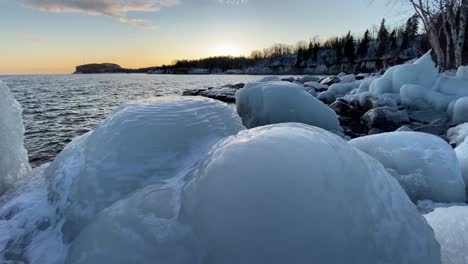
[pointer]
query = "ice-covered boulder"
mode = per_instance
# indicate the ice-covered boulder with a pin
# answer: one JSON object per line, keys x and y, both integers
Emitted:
{"x": 425, "y": 165}
{"x": 458, "y": 134}
{"x": 261, "y": 104}
{"x": 295, "y": 193}
{"x": 140, "y": 229}
{"x": 14, "y": 163}
{"x": 451, "y": 231}
{"x": 308, "y": 78}
{"x": 418, "y": 96}
{"x": 141, "y": 143}
{"x": 460, "y": 111}
{"x": 462, "y": 73}
{"x": 316, "y": 86}
{"x": 327, "y": 97}
{"x": 462, "y": 155}
{"x": 422, "y": 72}
{"x": 348, "y": 78}
{"x": 343, "y": 88}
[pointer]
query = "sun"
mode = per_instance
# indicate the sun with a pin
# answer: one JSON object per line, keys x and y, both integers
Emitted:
{"x": 226, "y": 50}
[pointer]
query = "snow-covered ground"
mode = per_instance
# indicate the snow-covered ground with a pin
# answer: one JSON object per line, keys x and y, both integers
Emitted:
{"x": 181, "y": 180}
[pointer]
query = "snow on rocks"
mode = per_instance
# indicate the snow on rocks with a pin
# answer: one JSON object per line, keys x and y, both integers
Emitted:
{"x": 141, "y": 143}
{"x": 348, "y": 78}
{"x": 273, "y": 186}
{"x": 318, "y": 87}
{"x": 450, "y": 226}
{"x": 425, "y": 165}
{"x": 458, "y": 134}
{"x": 260, "y": 104}
{"x": 14, "y": 163}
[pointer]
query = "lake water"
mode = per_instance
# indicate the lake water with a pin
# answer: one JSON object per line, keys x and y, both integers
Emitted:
{"x": 57, "y": 108}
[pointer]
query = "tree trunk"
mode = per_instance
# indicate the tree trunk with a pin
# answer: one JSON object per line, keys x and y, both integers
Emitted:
{"x": 435, "y": 44}
{"x": 460, "y": 42}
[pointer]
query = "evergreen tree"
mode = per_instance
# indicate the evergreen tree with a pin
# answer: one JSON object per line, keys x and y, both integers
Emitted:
{"x": 410, "y": 32}
{"x": 364, "y": 45}
{"x": 392, "y": 40}
{"x": 382, "y": 37}
{"x": 349, "y": 47}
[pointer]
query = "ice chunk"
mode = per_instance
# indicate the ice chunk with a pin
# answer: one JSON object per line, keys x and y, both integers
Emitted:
{"x": 343, "y": 88}
{"x": 458, "y": 134}
{"x": 451, "y": 231}
{"x": 140, "y": 229}
{"x": 279, "y": 102}
{"x": 141, "y": 143}
{"x": 462, "y": 156}
{"x": 14, "y": 162}
{"x": 462, "y": 73}
{"x": 421, "y": 97}
{"x": 348, "y": 78}
{"x": 317, "y": 86}
{"x": 460, "y": 111}
{"x": 422, "y": 72}
{"x": 425, "y": 165}
{"x": 295, "y": 192}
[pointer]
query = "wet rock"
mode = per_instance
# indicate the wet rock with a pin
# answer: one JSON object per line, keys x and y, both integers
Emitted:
{"x": 225, "y": 93}
{"x": 386, "y": 119}
{"x": 428, "y": 116}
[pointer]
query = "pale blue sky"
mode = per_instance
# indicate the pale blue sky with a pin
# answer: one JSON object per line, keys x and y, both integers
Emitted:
{"x": 53, "y": 36}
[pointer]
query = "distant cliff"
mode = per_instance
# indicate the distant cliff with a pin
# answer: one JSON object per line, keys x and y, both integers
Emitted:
{"x": 99, "y": 68}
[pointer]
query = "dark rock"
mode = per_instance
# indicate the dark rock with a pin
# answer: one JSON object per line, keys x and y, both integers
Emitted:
{"x": 225, "y": 93}
{"x": 330, "y": 80}
{"x": 428, "y": 116}
{"x": 386, "y": 119}
{"x": 341, "y": 107}
{"x": 437, "y": 127}
{"x": 289, "y": 79}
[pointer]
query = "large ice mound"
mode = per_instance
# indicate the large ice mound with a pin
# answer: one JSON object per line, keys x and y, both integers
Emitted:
{"x": 425, "y": 165}
{"x": 264, "y": 103}
{"x": 140, "y": 229}
{"x": 141, "y": 143}
{"x": 451, "y": 231}
{"x": 14, "y": 163}
{"x": 295, "y": 193}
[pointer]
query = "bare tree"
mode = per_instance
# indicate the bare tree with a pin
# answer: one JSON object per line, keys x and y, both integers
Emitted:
{"x": 428, "y": 11}
{"x": 453, "y": 14}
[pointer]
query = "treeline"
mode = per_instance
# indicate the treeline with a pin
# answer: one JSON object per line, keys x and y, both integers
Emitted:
{"x": 381, "y": 43}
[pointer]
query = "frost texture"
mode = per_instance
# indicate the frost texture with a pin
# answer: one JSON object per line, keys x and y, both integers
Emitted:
{"x": 425, "y": 165}
{"x": 451, "y": 231}
{"x": 295, "y": 193}
{"x": 261, "y": 104}
{"x": 140, "y": 229}
{"x": 140, "y": 144}
{"x": 14, "y": 163}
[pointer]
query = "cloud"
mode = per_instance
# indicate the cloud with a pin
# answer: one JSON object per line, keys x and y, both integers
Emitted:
{"x": 117, "y": 9}
{"x": 29, "y": 37}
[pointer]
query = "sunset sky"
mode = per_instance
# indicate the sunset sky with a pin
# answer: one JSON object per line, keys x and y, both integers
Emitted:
{"x": 53, "y": 36}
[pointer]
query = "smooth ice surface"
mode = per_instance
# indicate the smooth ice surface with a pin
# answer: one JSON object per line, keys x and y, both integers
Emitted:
{"x": 460, "y": 110}
{"x": 14, "y": 163}
{"x": 451, "y": 231}
{"x": 425, "y": 165}
{"x": 141, "y": 143}
{"x": 293, "y": 193}
{"x": 140, "y": 229}
{"x": 261, "y": 104}
{"x": 462, "y": 155}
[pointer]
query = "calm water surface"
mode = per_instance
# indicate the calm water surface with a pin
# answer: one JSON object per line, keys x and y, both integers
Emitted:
{"x": 57, "y": 108}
